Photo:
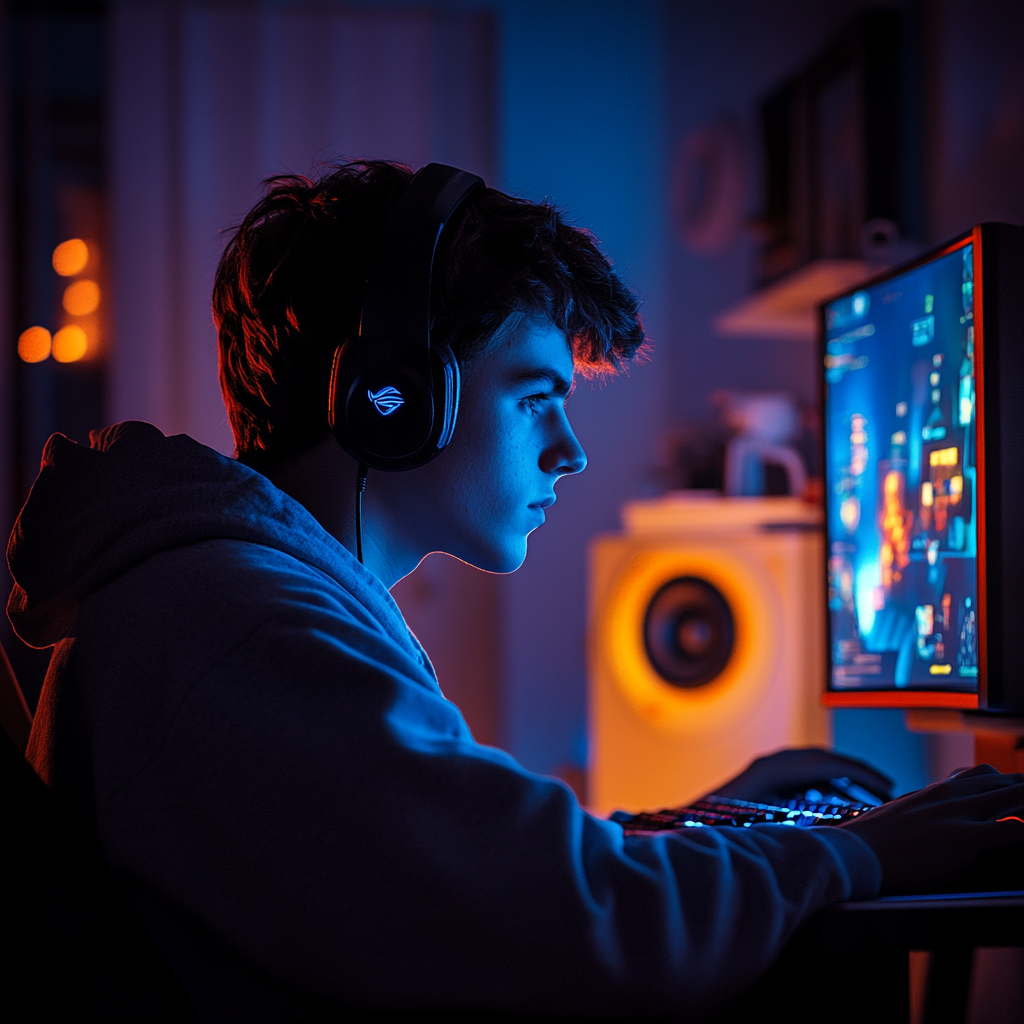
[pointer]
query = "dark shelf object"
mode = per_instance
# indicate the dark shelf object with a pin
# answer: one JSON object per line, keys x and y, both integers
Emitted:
{"x": 842, "y": 152}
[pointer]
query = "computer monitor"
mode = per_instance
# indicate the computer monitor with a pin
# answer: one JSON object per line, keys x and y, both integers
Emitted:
{"x": 923, "y": 408}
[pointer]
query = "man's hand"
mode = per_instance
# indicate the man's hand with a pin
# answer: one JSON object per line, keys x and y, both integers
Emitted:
{"x": 929, "y": 838}
{"x": 788, "y": 772}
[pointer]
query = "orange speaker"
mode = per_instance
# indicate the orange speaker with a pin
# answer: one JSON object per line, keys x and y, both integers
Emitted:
{"x": 706, "y": 645}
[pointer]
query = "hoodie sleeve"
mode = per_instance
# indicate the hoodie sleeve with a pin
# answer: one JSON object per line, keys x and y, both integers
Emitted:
{"x": 312, "y": 798}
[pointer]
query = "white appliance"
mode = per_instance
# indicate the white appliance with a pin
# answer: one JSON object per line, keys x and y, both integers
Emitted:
{"x": 706, "y": 644}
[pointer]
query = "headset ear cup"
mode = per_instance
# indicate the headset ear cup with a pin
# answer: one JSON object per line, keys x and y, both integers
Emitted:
{"x": 333, "y": 411}
{"x": 386, "y": 413}
{"x": 448, "y": 389}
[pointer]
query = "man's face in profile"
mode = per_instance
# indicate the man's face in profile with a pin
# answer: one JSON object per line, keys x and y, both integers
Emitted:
{"x": 482, "y": 497}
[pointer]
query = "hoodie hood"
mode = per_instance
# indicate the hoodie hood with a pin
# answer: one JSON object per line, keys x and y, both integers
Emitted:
{"x": 94, "y": 513}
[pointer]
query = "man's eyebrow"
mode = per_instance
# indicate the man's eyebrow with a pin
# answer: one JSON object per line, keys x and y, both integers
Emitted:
{"x": 544, "y": 375}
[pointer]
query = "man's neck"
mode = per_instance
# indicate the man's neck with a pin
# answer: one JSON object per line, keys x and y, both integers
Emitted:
{"x": 323, "y": 480}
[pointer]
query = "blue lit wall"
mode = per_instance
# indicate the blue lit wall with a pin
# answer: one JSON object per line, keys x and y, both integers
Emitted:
{"x": 725, "y": 58}
{"x": 583, "y": 91}
{"x": 595, "y": 97}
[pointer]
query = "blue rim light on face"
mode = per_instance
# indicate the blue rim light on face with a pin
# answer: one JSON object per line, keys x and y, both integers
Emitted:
{"x": 387, "y": 400}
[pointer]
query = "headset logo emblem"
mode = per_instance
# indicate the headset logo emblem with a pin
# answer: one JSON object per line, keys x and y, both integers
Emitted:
{"x": 387, "y": 400}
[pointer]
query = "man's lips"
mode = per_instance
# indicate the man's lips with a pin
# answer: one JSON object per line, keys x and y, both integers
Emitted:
{"x": 544, "y": 503}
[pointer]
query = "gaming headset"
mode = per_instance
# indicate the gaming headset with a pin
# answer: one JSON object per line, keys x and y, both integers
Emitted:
{"x": 394, "y": 392}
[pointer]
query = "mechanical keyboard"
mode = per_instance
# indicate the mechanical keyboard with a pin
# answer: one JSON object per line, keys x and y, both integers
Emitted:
{"x": 717, "y": 810}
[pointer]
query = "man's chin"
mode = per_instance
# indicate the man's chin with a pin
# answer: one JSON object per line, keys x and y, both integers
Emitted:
{"x": 503, "y": 559}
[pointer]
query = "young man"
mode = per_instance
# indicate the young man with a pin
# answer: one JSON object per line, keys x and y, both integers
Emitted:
{"x": 237, "y": 709}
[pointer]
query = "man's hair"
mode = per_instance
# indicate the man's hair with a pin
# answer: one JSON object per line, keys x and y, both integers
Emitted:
{"x": 289, "y": 289}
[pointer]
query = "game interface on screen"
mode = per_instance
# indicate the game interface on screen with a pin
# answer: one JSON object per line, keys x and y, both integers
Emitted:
{"x": 901, "y": 482}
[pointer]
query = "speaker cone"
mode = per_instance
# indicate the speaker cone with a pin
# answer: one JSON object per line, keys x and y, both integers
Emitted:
{"x": 688, "y": 632}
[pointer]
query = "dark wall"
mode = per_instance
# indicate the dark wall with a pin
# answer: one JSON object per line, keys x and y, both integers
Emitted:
{"x": 723, "y": 59}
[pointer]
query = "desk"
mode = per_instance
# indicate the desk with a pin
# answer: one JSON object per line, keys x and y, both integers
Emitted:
{"x": 852, "y": 962}
{"x": 922, "y": 922}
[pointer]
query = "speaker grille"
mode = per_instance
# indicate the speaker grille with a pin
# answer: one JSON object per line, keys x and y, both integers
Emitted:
{"x": 689, "y": 632}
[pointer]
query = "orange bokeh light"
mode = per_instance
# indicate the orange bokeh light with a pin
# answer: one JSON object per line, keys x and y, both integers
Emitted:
{"x": 70, "y": 344}
{"x": 81, "y": 298}
{"x": 70, "y": 257}
{"x": 34, "y": 344}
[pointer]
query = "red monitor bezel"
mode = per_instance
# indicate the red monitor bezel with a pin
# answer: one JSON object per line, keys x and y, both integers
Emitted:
{"x": 920, "y": 698}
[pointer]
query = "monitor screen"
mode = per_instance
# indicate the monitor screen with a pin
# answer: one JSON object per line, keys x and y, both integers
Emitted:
{"x": 900, "y": 480}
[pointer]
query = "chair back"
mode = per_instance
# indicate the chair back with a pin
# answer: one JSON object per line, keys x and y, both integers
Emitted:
{"x": 15, "y": 716}
{"x": 74, "y": 947}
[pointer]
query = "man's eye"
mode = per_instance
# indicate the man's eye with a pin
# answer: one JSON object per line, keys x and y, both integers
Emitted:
{"x": 533, "y": 402}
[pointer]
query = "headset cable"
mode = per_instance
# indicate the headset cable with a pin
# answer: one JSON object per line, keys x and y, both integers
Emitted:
{"x": 360, "y": 487}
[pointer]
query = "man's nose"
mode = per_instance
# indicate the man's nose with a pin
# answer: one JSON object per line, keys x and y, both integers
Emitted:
{"x": 566, "y": 456}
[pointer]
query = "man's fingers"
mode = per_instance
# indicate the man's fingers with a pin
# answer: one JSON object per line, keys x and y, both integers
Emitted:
{"x": 966, "y": 785}
{"x": 978, "y": 769}
{"x": 978, "y": 796}
{"x": 1005, "y": 801}
{"x": 993, "y": 782}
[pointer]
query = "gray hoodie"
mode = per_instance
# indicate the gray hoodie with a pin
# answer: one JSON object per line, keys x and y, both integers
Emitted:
{"x": 238, "y": 711}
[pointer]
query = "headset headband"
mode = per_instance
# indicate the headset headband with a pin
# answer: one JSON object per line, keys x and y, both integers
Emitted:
{"x": 394, "y": 394}
{"x": 397, "y": 302}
